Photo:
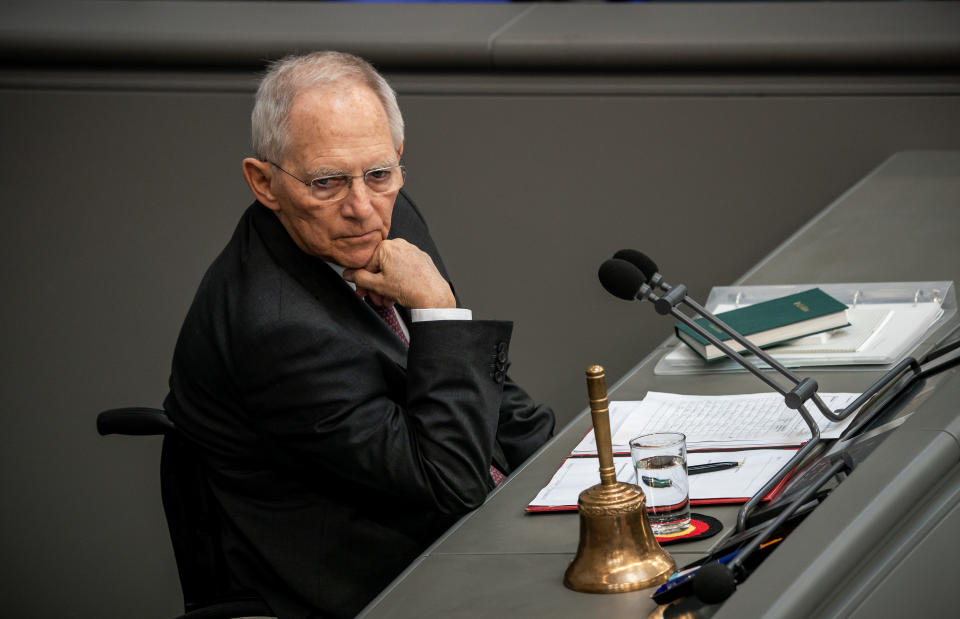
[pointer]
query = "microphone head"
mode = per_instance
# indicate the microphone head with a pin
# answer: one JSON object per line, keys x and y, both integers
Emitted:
{"x": 640, "y": 260}
{"x": 621, "y": 279}
{"x": 714, "y": 583}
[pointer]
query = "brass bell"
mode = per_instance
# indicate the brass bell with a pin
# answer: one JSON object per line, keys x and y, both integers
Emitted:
{"x": 618, "y": 551}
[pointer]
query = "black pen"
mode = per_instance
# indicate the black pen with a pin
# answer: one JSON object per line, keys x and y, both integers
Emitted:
{"x": 713, "y": 467}
{"x": 696, "y": 469}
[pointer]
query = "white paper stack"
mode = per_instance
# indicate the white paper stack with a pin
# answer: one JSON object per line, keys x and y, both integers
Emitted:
{"x": 718, "y": 422}
{"x": 734, "y": 485}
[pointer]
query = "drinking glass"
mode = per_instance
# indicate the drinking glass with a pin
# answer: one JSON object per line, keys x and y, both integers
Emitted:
{"x": 660, "y": 461}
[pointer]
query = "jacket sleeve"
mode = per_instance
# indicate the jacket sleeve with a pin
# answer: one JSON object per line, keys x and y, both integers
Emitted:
{"x": 523, "y": 425}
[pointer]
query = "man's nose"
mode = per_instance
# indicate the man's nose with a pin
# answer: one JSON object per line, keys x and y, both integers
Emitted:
{"x": 357, "y": 203}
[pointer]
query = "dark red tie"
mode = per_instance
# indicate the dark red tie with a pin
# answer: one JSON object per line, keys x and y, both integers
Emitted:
{"x": 389, "y": 315}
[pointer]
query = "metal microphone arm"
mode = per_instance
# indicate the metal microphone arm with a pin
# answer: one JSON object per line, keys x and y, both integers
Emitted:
{"x": 736, "y": 566}
{"x": 667, "y": 305}
{"x": 750, "y": 346}
{"x": 801, "y": 392}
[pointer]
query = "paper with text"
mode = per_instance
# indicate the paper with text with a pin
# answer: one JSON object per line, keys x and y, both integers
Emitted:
{"x": 718, "y": 422}
{"x": 759, "y": 466}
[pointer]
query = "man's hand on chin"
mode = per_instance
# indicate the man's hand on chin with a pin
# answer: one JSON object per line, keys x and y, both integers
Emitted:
{"x": 401, "y": 272}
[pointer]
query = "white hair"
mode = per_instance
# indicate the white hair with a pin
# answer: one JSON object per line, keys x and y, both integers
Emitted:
{"x": 288, "y": 77}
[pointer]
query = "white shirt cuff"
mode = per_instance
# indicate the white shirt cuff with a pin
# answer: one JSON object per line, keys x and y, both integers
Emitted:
{"x": 419, "y": 315}
{"x": 440, "y": 313}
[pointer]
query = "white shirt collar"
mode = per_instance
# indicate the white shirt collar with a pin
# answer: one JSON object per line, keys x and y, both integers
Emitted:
{"x": 339, "y": 269}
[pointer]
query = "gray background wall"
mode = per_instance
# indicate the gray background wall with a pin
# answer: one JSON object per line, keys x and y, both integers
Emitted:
{"x": 540, "y": 140}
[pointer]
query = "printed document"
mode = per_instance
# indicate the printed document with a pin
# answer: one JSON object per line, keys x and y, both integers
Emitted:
{"x": 719, "y": 422}
{"x": 731, "y": 485}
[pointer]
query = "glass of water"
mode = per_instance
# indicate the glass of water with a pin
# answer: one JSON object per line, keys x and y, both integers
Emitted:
{"x": 660, "y": 461}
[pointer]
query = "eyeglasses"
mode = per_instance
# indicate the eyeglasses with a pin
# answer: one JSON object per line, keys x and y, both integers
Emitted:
{"x": 336, "y": 187}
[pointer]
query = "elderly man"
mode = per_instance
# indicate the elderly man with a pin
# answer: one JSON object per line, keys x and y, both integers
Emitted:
{"x": 346, "y": 409}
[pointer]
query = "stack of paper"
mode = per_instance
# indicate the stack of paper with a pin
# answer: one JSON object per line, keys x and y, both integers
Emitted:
{"x": 730, "y": 486}
{"x": 718, "y": 422}
{"x": 744, "y": 427}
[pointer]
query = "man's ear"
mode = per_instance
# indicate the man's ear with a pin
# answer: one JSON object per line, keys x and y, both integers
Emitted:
{"x": 259, "y": 175}
{"x": 400, "y": 151}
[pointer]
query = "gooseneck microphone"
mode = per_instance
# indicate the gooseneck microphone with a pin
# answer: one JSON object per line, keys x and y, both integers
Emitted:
{"x": 621, "y": 278}
{"x": 647, "y": 266}
{"x": 632, "y": 275}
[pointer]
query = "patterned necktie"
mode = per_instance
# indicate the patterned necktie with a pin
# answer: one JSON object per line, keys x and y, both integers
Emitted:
{"x": 389, "y": 315}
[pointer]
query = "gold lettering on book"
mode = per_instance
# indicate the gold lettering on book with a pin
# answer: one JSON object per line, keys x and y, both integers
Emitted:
{"x": 800, "y": 306}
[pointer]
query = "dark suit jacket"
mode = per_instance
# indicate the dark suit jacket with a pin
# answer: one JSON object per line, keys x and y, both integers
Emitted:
{"x": 336, "y": 453}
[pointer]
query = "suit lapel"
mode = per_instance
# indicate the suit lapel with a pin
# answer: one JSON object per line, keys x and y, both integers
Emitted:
{"x": 328, "y": 288}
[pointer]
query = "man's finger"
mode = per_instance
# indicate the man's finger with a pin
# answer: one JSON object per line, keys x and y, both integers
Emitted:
{"x": 372, "y": 283}
{"x": 376, "y": 260}
{"x": 357, "y": 277}
{"x": 380, "y": 300}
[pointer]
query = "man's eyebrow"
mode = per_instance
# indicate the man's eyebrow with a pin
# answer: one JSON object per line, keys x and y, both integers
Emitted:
{"x": 322, "y": 172}
{"x": 386, "y": 163}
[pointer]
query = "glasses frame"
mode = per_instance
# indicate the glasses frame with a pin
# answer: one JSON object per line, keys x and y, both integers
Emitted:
{"x": 309, "y": 184}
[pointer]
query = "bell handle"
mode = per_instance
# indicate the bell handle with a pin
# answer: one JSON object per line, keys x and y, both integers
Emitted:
{"x": 600, "y": 412}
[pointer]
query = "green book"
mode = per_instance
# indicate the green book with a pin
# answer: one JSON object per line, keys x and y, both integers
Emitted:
{"x": 770, "y": 323}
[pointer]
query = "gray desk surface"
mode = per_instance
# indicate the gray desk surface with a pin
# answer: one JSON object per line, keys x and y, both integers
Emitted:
{"x": 900, "y": 223}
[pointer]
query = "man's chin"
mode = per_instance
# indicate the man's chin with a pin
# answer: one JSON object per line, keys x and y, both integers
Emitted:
{"x": 356, "y": 259}
{"x": 356, "y": 252}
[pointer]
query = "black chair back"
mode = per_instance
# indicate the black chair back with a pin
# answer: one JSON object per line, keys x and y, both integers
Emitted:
{"x": 193, "y": 518}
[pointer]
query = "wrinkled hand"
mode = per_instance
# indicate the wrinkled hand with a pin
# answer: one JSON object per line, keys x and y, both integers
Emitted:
{"x": 400, "y": 272}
